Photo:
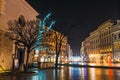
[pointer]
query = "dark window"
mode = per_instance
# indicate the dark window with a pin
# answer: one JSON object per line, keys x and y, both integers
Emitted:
{"x": 21, "y": 20}
{"x": 114, "y": 37}
{"x": 119, "y": 35}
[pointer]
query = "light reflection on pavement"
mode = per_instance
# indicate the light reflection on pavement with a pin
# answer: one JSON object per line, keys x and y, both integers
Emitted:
{"x": 71, "y": 73}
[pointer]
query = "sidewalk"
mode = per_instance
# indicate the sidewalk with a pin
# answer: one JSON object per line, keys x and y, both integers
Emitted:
{"x": 95, "y": 65}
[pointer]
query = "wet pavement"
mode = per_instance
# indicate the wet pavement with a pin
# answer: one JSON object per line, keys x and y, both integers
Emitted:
{"x": 96, "y": 65}
{"x": 70, "y": 73}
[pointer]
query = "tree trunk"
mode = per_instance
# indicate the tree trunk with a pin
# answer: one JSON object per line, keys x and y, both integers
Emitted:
{"x": 56, "y": 74}
{"x": 26, "y": 65}
{"x": 56, "y": 63}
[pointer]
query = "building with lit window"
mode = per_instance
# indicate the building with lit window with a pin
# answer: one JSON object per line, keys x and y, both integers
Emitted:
{"x": 106, "y": 41}
{"x": 69, "y": 52}
{"x": 48, "y": 54}
{"x": 12, "y": 10}
{"x": 91, "y": 46}
{"x": 98, "y": 46}
{"x": 82, "y": 52}
{"x": 87, "y": 48}
{"x": 94, "y": 55}
{"x": 116, "y": 41}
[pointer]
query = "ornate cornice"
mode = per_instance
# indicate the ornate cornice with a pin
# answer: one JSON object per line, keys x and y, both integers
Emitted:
{"x": 106, "y": 24}
{"x": 31, "y": 8}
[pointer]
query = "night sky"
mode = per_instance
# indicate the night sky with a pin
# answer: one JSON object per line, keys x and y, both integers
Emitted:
{"x": 84, "y": 16}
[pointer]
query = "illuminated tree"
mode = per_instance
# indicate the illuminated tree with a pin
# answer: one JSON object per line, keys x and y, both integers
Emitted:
{"x": 28, "y": 34}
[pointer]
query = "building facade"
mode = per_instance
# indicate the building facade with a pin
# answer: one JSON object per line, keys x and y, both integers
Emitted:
{"x": 94, "y": 55}
{"x": 98, "y": 46}
{"x": 48, "y": 54}
{"x": 106, "y": 41}
{"x": 82, "y": 52}
{"x": 69, "y": 52}
{"x": 116, "y": 41}
{"x": 5, "y": 51}
{"x": 12, "y": 10}
{"x": 87, "y": 46}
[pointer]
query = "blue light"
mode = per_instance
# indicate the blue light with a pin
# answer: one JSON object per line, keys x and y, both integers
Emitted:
{"x": 42, "y": 25}
{"x": 46, "y": 18}
{"x": 50, "y": 26}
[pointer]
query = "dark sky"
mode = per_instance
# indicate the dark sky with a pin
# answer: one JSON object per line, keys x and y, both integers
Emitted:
{"x": 83, "y": 15}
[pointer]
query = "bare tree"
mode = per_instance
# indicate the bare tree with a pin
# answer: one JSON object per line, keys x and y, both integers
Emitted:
{"x": 58, "y": 44}
{"x": 28, "y": 35}
{"x": 65, "y": 30}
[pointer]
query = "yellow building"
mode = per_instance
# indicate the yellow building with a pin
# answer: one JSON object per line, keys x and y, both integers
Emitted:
{"x": 116, "y": 41}
{"x": 87, "y": 46}
{"x": 48, "y": 55}
{"x": 94, "y": 54}
{"x": 106, "y": 41}
{"x": 98, "y": 45}
{"x": 12, "y": 10}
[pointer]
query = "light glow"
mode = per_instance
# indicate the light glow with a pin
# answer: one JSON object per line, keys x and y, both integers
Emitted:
{"x": 42, "y": 25}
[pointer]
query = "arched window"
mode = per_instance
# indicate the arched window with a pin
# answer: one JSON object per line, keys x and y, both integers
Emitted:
{"x": 21, "y": 20}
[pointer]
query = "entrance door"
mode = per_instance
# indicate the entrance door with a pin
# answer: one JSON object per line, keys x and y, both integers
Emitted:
{"x": 20, "y": 55}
